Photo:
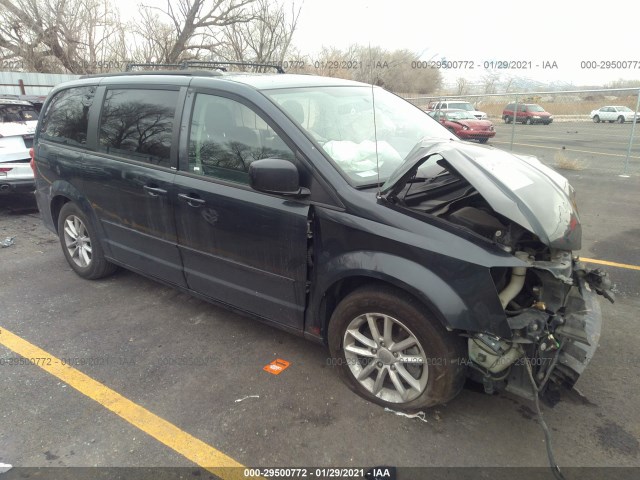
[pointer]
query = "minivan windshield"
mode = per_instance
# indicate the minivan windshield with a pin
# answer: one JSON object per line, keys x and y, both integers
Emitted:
{"x": 341, "y": 120}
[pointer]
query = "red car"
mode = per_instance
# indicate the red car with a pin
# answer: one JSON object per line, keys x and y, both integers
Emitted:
{"x": 465, "y": 125}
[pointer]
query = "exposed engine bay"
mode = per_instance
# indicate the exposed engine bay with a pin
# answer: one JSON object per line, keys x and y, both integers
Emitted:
{"x": 549, "y": 300}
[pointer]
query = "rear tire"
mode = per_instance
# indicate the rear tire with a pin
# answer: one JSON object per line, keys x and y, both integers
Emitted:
{"x": 81, "y": 245}
{"x": 507, "y": 119}
{"x": 528, "y": 121}
{"x": 620, "y": 119}
{"x": 414, "y": 363}
{"x": 596, "y": 119}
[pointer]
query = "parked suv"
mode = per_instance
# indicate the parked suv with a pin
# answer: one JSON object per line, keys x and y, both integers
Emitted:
{"x": 528, "y": 113}
{"x": 418, "y": 260}
{"x": 457, "y": 105}
{"x": 18, "y": 121}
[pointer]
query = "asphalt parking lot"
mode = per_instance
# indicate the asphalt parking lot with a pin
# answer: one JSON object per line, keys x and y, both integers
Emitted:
{"x": 593, "y": 146}
{"x": 200, "y": 368}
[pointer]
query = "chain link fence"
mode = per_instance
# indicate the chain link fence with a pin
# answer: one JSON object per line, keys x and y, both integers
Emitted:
{"x": 594, "y": 129}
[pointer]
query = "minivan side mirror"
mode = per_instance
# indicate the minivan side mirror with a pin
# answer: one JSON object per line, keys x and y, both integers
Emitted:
{"x": 274, "y": 175}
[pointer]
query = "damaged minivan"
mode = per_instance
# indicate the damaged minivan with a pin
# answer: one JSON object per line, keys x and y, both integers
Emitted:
{"x": 330, "y": 209}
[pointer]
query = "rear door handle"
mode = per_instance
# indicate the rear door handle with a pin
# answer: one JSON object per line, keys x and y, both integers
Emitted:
{"x": 192, "y": 201}
{"x": 154, "y": 191}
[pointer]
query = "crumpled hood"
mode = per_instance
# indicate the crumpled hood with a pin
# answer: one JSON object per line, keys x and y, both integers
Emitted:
{"x": 517, "y": 187}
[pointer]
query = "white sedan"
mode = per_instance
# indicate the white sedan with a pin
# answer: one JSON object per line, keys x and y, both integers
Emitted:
{"x": 18, "y": 121}
{"x": 613, "y": 114}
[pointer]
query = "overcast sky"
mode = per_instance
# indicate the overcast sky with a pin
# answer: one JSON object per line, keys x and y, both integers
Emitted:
{"x": 566, "y": 32}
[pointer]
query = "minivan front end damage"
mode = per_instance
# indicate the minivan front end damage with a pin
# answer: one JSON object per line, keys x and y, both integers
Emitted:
{"x": 555, "y": 320}
{"x": 548, "y": 297}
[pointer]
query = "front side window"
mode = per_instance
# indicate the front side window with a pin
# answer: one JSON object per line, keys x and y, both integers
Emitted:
{"x": 138, "y": 124}
{"x": 226, "y": 136}
{"x": 67, "y": 116}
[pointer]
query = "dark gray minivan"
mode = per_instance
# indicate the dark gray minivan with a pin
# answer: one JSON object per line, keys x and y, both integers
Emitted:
{"x": 332, "y": 210}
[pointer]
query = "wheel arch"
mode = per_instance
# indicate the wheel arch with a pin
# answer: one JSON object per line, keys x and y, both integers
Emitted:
{"x": 341, "y": 288}
{"x": 63, "y": 192}
{"x": 57, "y": 202}
{"x": 438, "y": 297}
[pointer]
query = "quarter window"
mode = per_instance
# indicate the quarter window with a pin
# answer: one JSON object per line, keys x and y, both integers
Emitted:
{"x": 226, "y": 136}
{"x": 67, "y": 116}
{"x": 138, "y": 124}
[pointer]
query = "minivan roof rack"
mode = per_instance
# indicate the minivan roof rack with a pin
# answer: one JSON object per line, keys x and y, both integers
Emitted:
{"x": 186, "y": 73}
{"x": 205, "y": 64}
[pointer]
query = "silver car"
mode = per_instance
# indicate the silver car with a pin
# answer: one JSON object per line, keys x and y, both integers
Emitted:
{"x": 613, "y": 113}
{"x": 18, "y": 121}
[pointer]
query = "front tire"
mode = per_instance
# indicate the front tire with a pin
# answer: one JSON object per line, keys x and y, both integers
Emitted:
{"x": 390, "y": 350}
{"x": 528, "y": 121}
{"x": 81, "y": 245}
{"x": 596, "y": 119}
{"x": 507, "y": 119}
{"x": 483, "y": 140}
{"x": 620, "y": 119}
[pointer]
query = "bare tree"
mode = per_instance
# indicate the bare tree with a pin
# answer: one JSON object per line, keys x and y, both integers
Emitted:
{"x": 328, "y": 61}
{"x": 57, "y": 36}
{"x": 151, "y": 39}
{"x": 462, "y": 85}
{"x": 192, "y": 26}
{"x": 266, "y": 38}
{"x": 490, "y": 82}
{"x": 508, "y": 84}
{"x": 394, "y": 70}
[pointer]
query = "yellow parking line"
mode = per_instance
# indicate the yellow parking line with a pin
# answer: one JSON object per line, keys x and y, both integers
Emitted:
{"x": 611, "y": 264}
{"x": 173, "y": 437}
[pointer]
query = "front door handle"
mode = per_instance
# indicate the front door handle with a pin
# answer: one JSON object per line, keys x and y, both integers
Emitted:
{"x": 191, "y": 201}
{"x": 154, "y": 191}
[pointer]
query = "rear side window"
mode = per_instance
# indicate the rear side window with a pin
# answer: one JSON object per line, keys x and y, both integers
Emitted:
{"x": 67, "y": 116}
{"x": 138, "y": 124}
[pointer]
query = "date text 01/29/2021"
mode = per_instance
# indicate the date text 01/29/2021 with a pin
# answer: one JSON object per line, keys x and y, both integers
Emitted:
{"x": 321, "y": 472}
{"x": 485, "y": 64}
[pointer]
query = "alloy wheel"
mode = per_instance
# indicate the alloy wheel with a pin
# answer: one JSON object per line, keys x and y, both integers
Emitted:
{"x": 77, "y": 241}
{"x": 385, "y": 357}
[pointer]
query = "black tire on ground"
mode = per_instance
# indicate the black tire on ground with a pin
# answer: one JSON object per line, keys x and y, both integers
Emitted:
{"x": 443, "y": 351}
{"x": 620, "y": 119}
{"x": 507, "y": 119}
{"x": 483, "y": 140}
{"x": 596, "y": 119}
{"x": 528, "y": 121}
{"x": 81, "y": 245}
